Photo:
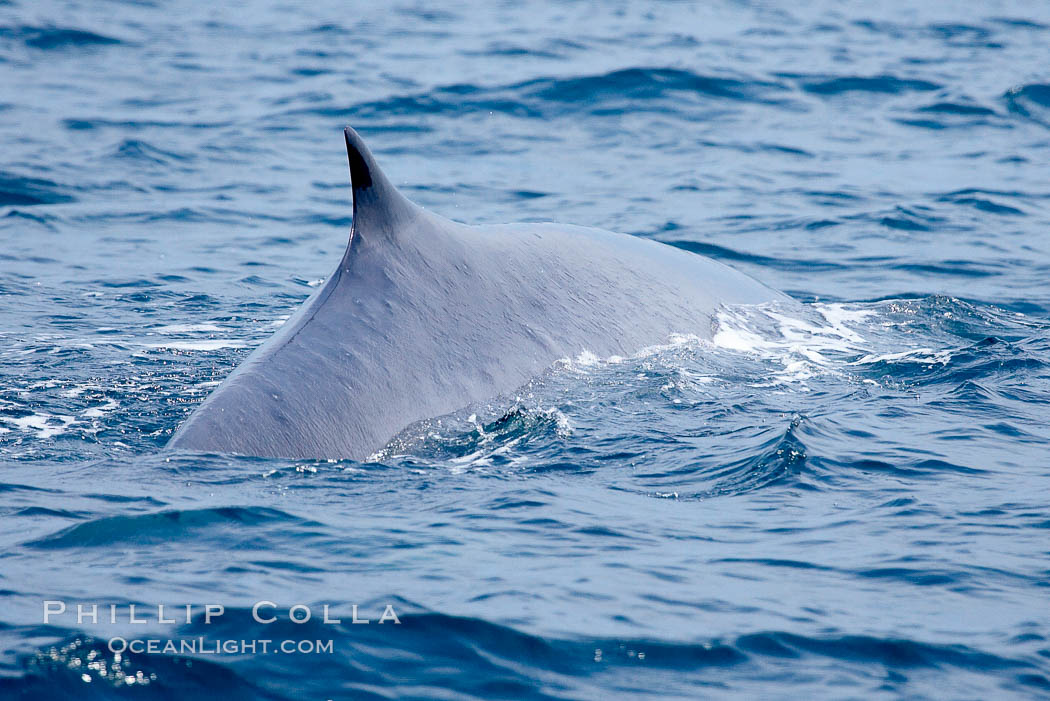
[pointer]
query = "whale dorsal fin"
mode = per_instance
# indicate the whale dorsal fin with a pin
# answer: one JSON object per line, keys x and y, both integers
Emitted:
{"x": 379, "y": 208}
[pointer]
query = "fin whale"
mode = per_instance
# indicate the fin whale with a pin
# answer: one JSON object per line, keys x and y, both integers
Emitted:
{"x": 424, "y": 316}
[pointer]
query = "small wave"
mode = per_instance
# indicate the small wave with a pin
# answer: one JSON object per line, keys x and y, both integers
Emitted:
{"x": 56, "y": 38}
{"x": 952, "y": 34}
{"x": 433, "y": 654}
{"x": 732, "y": 470}
{"x": 6, "y": 487}
{"x": 981, "y": 201}
{"x": 161, "y": 527}
{"x": 1031, "y": 101}
{"x": 648, "y": 84}
{"x": 958, "y": 268}
{"x": 959, "y": 108}
{"x": 957, "y": 34}
{"x": 723, "y": 253}
{"x": 950, "y": 115}
{"x": 146, "y": 153}
{"x": 645, "y": 89}
{"x": 885, "y": 84}
{"x": 136, "y": 124}
{"x": 905, "y": 221}
{"x": 1020, "y": 23}
{"x": 22, "y": 191}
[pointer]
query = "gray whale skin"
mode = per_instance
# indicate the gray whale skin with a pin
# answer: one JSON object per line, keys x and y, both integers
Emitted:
{"x": 425, "y": 316}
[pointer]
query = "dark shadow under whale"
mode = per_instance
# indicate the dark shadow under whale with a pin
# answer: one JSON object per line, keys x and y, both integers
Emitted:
{"x": 424, "y": 316}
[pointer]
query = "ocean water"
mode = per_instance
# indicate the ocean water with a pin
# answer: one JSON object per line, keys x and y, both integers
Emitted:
{"x": 847, "y": 501}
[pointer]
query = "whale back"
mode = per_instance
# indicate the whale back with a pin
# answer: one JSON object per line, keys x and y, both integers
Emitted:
{"x": 425, "y": 316}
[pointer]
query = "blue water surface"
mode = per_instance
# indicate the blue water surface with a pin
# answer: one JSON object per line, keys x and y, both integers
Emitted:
{"x": 847, "y": 501}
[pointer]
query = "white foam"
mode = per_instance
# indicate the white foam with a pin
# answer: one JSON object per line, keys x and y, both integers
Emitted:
{"x": 42, "y": 384}
{"x": 736, "y": 338}
{"x": 203, "y": 345}
{"x": 926, "y": 356}
{"x": 563, "y": 427}
{"x": 98, "y": 411}
{"x": 587, "y": 359}
{"x": 838, "y": 314}
{"x": 185, "y": 328}
{"x": 45, "y": 425}
{"x": 803, "y": 348}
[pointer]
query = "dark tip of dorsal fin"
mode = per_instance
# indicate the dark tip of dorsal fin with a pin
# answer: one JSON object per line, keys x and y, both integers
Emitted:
{"x": 377, "y": 203}
{"x": 361, "y": 162}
